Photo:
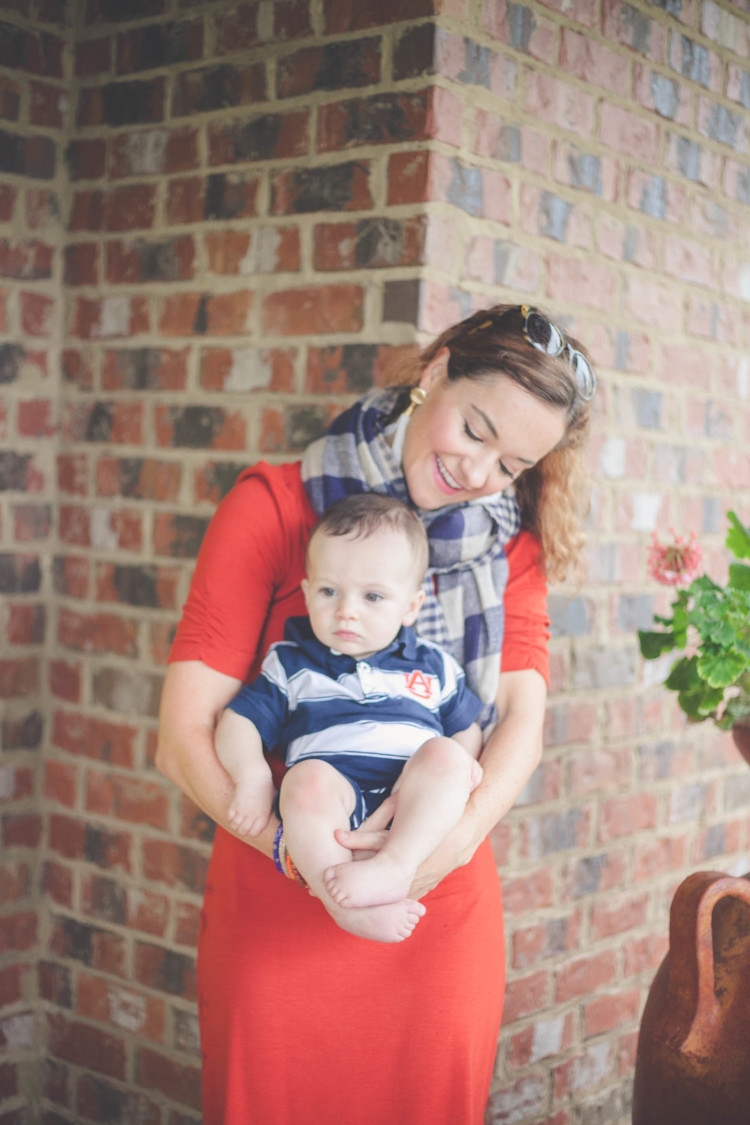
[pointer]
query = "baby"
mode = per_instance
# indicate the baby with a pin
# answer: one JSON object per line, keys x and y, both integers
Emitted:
{"x": 360, "y": 706}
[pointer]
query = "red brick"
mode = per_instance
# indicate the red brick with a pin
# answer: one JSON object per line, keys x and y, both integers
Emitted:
{"x": 174, "y": 865}
{"x": 237, "y": 29}
{"x": 247, "y": 369}
{"x": 166, "y": 970}
{"x": 92, "y": 56}
{"x": 226, "y": 314}
{"x": 587, "y": 974}
{"x": 19, "y": 677}
{"x": 187, "y": 923}
{"x": 200, "y": 427}
{"x": 151, "y": 586}
{"x": 86, "y": 1046}
{"x": 526, "y": 995}
{"x": 332, "y": 187}
{"x": 22, "y": 831}
{"x": 158, "y": 369}
{"x": 72, "y": 839}
{"x": 46, "y": 105}
{"x": 78, "y": 369}
{"x": 27, "y": 260}
{"x": 131, "y": 1010}
{"x": 558, "y": 102}
{"x": 25, "y": 624}
{"x": 545, "y": 1038}
{"x": 358, "y": 15}
{"x": 64, "y": 680}
{"x": 645, "y": 954}
{"x": 214, "y": 88}
{"x": 109, "y": 317}
{"x": 158, "y": 151}
{"x": 130, "y": 799}
{"x": 18, "y": 932}
{"x": 659, "y": 856}
{"x": 623, "y": 816}
{"x": 57, "y": 883}
{"x": 97, "y": 633}
{"x": 524, "y": 893}
{"x": 10, "y": 99}
{"x": 130, "y": 208}
{"x": 72, "y": 473}
{"x": 37, "y": 313}
{"x": 94, "y": 738}
{"x": 328, "y": 308}
{"x": 7, "y": 201}
{"x": 271, "y": 137}
{"x": 267, "y": 250}
{"x": 11, "y": 982}
{"x": 408, "y": 177}
{"x": 70, "y": 576}
{"x": 60, "y": 782}
{"x": 179, "y": 1083}
{"x": 369, "y": 243}
{"x": 82, "y": 264}
{"x": 138, "y": 479}
{"x": 168, "y": 260}
{"x": 15, "y": 885}
{"x": 87, "y": 211}
{"x": 607, "y": 1013}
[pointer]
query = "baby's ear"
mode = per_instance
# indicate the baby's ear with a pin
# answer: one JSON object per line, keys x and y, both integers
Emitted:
{"x": 414, "y": 607}
{"x": 305, "y": 586}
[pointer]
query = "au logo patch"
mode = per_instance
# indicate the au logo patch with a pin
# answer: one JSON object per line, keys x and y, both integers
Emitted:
{"x": 419, "y": 685}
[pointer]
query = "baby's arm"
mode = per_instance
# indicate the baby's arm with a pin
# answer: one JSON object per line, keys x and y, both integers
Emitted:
{"x": 470, "y": 739}
{"x": 240, "y": 751}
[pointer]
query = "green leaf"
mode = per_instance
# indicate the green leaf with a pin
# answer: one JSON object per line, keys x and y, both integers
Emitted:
{"x": 684, "y": 675}
{"x": 738, "y": 537}
{"x": 654, "y": 644}
{"x": 720, "y": 669}
{"x": 739, "y": 576}
{"x": 699, "y": 705}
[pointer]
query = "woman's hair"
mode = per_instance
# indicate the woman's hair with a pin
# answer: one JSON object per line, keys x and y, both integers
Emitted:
{"x": 361, "y": 515}
{"x": 552, "y": 495}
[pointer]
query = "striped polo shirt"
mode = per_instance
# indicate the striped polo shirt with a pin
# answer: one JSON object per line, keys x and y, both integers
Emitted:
{"x": 366, "y": 717}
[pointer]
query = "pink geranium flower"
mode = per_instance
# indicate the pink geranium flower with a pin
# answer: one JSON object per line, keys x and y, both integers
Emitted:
{"x": 677, "y": 563}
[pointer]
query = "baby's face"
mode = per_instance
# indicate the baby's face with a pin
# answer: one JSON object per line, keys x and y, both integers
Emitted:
{"x": 359, "y": 592}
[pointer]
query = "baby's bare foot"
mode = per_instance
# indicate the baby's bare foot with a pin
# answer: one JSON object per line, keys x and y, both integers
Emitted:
{"x": 375, "y": 882}
{"x": 250, "y": 807}
{"x": 392, "y": 923}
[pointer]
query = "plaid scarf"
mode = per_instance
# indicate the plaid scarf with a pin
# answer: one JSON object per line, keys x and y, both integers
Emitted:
{"x": 464, "y": 586}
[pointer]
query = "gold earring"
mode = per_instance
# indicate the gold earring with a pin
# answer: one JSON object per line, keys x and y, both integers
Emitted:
{"x": 417, "y": 395}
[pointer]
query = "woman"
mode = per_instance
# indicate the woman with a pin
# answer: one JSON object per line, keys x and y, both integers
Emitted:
{"x": 302, "y": 1022}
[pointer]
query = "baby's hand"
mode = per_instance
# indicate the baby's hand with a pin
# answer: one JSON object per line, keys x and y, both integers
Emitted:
{"x": 250, "y": 807}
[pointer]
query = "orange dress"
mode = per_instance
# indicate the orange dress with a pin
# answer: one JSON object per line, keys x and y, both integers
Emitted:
{"x": 302, "y": 1023}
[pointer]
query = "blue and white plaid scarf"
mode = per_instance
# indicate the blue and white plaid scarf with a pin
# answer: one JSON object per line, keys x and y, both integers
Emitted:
{"x": 468, "y": 571}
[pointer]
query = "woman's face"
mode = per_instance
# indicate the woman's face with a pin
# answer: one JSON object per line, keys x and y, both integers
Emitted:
{"x": 471, "y": 439}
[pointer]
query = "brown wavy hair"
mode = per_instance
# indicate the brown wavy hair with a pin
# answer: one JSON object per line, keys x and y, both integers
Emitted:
{"x": 553, "y": 494}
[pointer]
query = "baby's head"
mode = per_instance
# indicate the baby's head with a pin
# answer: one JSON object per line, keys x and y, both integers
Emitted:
{"x": 365, "y": 563}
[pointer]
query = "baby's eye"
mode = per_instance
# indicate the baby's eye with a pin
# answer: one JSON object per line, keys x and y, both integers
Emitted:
{"x": 470, "y": 433}
{"x": 327, "y": 591}
{"x": 373, "y": 597}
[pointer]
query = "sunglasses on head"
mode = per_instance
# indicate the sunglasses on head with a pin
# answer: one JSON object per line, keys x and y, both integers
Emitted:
{"x": 546, "y": 337}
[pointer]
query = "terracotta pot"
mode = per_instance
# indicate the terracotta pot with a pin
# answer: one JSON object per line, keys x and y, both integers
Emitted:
{"x": 741, "y": 736}
{"x": 692, "y": 1062}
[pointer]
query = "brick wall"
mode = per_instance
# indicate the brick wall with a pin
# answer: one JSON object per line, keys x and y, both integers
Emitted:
{"x": 33, "y": 93}
{"x": 262, "y": 206}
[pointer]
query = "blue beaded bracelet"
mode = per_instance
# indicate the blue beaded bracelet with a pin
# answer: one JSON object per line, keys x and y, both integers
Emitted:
{"x": 276, "y": 847}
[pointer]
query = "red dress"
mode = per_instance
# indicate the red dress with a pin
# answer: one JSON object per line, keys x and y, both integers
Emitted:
{"x": 302, "y": 1023}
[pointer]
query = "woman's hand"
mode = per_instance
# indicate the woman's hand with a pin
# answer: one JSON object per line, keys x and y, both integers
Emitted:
{"x": 367, "y": 840}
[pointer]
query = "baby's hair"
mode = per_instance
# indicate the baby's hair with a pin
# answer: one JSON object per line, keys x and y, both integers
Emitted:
{"x": 361, "y": 515}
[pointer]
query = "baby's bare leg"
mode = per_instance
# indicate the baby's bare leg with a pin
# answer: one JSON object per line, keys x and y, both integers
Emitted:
{"x": 315, "y": 800}
{"x": 432, "y": 794}
{"x": 240, "y": 751}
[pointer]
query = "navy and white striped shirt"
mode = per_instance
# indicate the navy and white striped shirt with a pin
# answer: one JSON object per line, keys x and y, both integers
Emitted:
{"x": 366, "y": 717}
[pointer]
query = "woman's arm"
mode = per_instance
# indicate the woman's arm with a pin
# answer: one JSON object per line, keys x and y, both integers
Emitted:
{"x": 509, "y": 758}
{"x": 193, "y": 699}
